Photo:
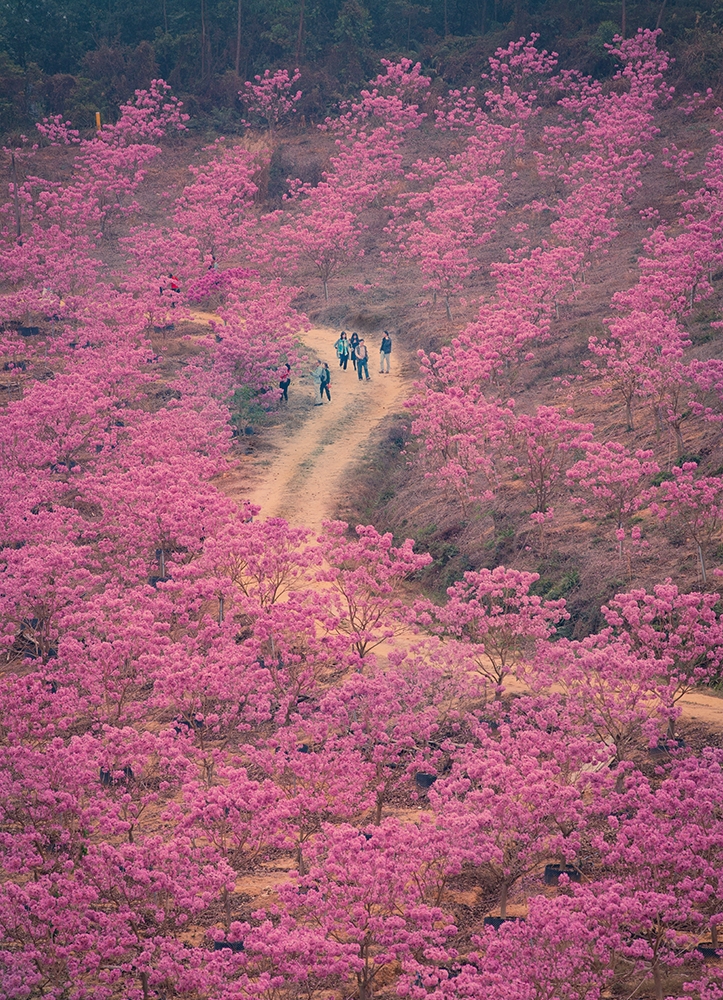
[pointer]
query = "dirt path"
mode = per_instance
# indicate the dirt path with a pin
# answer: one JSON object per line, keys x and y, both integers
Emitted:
{"x": 304, "y": 479}
{"x": 701, "y": 707}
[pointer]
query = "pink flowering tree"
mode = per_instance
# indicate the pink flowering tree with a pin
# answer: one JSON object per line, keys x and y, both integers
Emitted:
{"x": 554, "y": 954}
{"x": 271, "y": 96}
{"x": 322, "y": 781}
{"x": 321, "y": 233}
{"x": 610, "y": 482}
{"x": 517, "y": 75}
{"x": 543, "y": 443}
{"x": 496, "y": 620}
{"x": 682, "y": 632}
{"x": 216, "y": 208}
{"x": 639, "y": 344}
{"x": 442, "y": 225}
{"x": 393, "y": 718}
{"x": 362, "y": 903}
{"x": 366, "y": 577}
{"x": 504, "y": 806}
{"x": 696, "y": 504}
{"x": 620, "y": 697}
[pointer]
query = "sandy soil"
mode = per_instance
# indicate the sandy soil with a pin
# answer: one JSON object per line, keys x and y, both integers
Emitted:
{"x": 305, "y": 475}
{"x": 705, "y": 708}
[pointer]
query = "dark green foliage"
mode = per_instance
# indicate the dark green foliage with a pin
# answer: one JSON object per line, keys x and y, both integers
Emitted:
{"x": 77, "y": 56}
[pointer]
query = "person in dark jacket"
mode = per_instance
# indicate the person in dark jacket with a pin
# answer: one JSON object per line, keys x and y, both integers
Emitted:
{"x": 384, "y": 352}
{"x": 354, "y": 343}
{"x": 362, "y": 360}
{"x": 325, "y": 383}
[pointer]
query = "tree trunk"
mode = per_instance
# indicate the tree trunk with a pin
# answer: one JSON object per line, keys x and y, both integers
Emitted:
{"x": 446, "y": 306}
{"x": 657, "y": 982}
{"x": 660, "y": 15}
{"x": 227, "y": 909}
{"x": 629, "y": 413}
{"x": 714, "y": 935}
{"x": 503, "y": 900}
{"x": 326, "y": 290}
{"x": 16, "y": 199}
{"x": 300, "y": 33}
{"x": 300, "y": 860}
{"x": 658, "y": 423}
{"x": 220, "y": 610}
{"x": 237, "y": 62}
{"x": 365, "y": 989}
{"x": 144, "y": 985}
{"x": 679, "y": 440}
{"x": 701, "y": 560}
{"x": 203, "y": 40}
{"x": 378, "y": 809}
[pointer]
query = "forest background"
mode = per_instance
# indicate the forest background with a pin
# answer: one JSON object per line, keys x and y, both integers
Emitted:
{"x": 75, "y": 57}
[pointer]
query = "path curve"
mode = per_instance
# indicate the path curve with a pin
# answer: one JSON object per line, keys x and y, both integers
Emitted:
{"x": 305, "y": 480}
{"x": 302, "y": 478}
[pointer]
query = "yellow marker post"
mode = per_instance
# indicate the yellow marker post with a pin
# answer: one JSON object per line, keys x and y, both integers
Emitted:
{"x": 97, "y": 120}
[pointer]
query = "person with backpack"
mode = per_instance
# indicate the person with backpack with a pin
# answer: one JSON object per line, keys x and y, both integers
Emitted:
{"x": 325, "y": 383}
{"x": 285, "y": 382}
{"x": 343, "y": 350}
{"x": 316, "y": 377}
{"x": 384, "y": 351}
{"x": 353, "y": 344}
{"x": 362, "y": 360}
{"x": 175, "y": 289}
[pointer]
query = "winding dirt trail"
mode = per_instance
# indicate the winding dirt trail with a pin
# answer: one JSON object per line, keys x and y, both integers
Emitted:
{"x": 304, "y": 478}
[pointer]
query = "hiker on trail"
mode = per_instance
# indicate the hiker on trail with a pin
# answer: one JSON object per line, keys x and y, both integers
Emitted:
{"x": 325, "y": 383}
{"x": 285, "y": 382}
{"x": 362, "y": 360}
{"x": 174, "y": 287}
{"x": 316, "y": 376}
{"x": 354, "y": 343}
{"x": 384, "y": 351}
{"x": 343, "y": 350}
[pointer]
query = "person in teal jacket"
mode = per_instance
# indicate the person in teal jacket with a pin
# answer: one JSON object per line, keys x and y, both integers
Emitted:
{"x": 343, "y": 350}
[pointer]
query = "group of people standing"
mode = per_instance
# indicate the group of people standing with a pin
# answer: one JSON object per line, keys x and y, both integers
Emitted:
{"x": 355, "y": 349}
{"x": 348, "y": 348}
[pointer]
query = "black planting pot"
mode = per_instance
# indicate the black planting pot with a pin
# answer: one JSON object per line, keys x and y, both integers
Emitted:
{"x": 229, "y": 945}
{"x": 553, "y": 873}
{"x": 707, "y": 951}
{"x": 424, "y": 780}
{"x": 29, "y": 331}
{"x": 664, "y": 748}
{"x": 497, "y": 922}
